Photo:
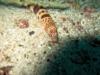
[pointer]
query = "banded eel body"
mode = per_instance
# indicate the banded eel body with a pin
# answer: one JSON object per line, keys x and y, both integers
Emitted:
{"x": 47, "y": 22}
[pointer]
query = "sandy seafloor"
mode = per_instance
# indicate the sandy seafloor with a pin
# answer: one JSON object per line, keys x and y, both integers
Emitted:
{"x": 77, "y": 54}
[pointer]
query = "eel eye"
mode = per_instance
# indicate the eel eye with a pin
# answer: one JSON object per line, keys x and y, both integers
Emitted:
{"x": 42, "y": 11}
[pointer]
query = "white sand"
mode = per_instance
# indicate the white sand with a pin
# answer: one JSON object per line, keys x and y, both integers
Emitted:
{"x": 25, "y": 52}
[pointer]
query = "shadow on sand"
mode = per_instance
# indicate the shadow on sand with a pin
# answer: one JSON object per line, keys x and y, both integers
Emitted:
{"x": 75, "y": 57}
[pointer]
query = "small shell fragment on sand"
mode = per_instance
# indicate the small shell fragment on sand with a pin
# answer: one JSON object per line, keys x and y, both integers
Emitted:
{"x": 5, "y": 70}
{"x": 23, "y": 23}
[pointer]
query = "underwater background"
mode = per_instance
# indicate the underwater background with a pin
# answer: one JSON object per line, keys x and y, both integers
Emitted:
{"x": 25, "y": 48}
